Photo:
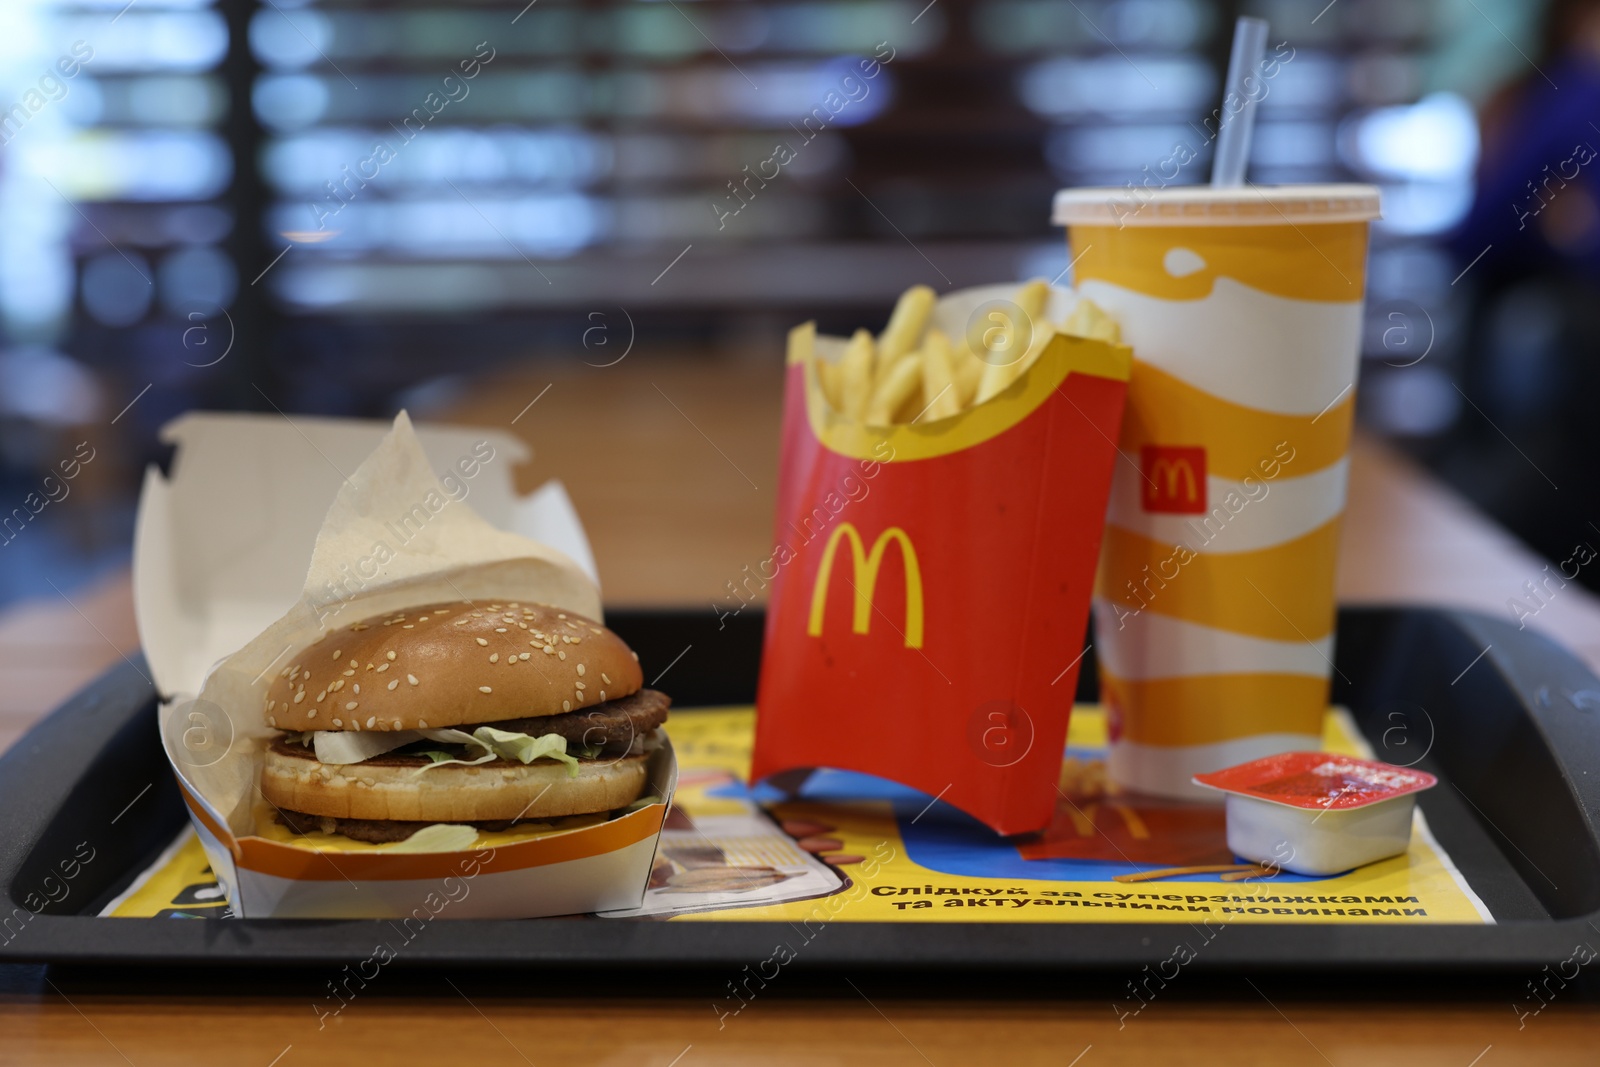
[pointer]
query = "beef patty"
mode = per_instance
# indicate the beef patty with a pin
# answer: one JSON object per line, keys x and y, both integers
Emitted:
{"x": 613, "y": 723}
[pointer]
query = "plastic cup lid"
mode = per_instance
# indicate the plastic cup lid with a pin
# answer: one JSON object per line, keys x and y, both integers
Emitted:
{"x": 1246, "y": 205}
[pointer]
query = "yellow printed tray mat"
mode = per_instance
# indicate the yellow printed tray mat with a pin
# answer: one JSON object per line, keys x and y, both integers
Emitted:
{"x": 850, "y": 847}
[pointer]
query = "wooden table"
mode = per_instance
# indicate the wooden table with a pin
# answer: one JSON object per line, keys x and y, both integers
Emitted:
{"x": 671, "y": 465}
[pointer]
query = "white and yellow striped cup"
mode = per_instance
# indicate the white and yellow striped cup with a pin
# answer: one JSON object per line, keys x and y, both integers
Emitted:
{"x": 1214, "y": 608}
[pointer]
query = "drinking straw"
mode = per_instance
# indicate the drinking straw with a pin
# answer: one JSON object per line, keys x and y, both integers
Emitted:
{"x": 1233, "y": 131}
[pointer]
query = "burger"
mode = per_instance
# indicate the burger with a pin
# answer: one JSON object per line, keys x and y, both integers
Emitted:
{"x": 464, "y": 712}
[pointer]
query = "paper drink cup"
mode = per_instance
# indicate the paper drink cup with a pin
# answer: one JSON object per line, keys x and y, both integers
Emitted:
{"x": 1214, "y": 607}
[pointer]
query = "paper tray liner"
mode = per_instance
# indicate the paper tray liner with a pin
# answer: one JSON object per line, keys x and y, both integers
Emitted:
{"x": 883, "y": 849}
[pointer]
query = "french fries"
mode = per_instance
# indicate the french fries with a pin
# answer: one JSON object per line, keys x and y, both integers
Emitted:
{"x": 905, "y": 327}
{"x": 1031, "y": 329}
{"x": 803, "y": 349}
{"x": 855, "y": 375}
{"x": 1088, "y": 320}
{"x": 939, "y": 377}
{"x": 895, "y": 388}
{"x": 969, "y": 372}
{"x": 913, "y": 372}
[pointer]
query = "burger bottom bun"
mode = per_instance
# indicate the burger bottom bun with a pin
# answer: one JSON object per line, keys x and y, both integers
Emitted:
{"x": 455, "y": 793}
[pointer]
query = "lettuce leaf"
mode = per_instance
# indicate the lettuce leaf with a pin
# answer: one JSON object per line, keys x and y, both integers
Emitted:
{"x": 502, "y": 744}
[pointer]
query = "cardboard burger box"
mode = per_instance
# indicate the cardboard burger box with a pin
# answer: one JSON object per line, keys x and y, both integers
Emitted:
{"x": 269, "y": 533}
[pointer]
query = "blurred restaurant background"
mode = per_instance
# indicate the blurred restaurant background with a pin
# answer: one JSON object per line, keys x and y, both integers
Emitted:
{"x": 343, "y": 207}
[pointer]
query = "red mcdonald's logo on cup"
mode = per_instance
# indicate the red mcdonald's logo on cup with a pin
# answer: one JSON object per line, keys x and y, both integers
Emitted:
{"x": 864, "y": 583}
{"x": 1174, "y": 479}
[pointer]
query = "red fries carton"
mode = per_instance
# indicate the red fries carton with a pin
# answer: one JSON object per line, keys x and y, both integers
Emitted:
{"x": 933, "y": 578}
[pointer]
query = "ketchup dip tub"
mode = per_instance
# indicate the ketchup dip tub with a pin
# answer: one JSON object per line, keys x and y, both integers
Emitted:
{"x": 1317, "y": 813}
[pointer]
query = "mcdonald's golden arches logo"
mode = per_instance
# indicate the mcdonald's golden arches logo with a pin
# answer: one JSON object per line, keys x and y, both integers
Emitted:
{"x": 864, "y": 579}
{"x": 1174, "y": 479}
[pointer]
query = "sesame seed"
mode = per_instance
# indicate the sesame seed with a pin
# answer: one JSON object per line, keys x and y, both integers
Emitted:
{"x": 271, "y": 721}
{"x": 525, "y": 655}
{"x": 336, "y": 653}
{"x": 408, "y": 626}
{"x": 499, "y": 629}
{"x": 602, "y": 694}
{"x": 566, "y": 705}
{"x": 494, "y": 657}
{"x": 322, "y": 696}
{"x": 369, "y": 666}
{"x": 563, "y": 655}
{"x": 371, "y": 720}
{"x": 394, "y": 684}
{"x": 605, "y": 677}
{"x": 411, "y": 678}
{"x": 484, "y": 689}
{"x": 312, "y": 714}
{"x": 338, "y": 722}
{"x": 422, "y": 618}
{"x": 548, "y": 649}
{"x": 353, "y": 663}
{"x": 352, "y": 707}
{"x": 397, "y": 724}
{"x": 580, "y": 686}
{"x": 298, "y": 697}
{"x": 336, "y": 686}
{"x": 382, "y": 667}
{"x": 348, "y": 673}
{"x": 389, "y": 656}
{"x": 635, "y": 655}
{"x": 422, "y": 724}
{"x": 560, "y": 616}
{"x": 580, "y": 670}
{"x": 356, "y": 688}
{"x": 481, "y": 641}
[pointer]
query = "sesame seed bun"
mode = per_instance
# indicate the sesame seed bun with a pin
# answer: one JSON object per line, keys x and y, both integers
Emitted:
{"x": 451, "y": 664}
{"x": 453, "y": 793}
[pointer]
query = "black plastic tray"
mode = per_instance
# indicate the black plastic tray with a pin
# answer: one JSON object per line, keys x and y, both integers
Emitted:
{"x": 1508, "y": 718}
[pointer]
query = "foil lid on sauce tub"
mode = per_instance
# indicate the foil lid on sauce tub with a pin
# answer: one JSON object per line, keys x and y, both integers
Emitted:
{"x": 1318, "y": 781}
{"x": 1316, "y": 813}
